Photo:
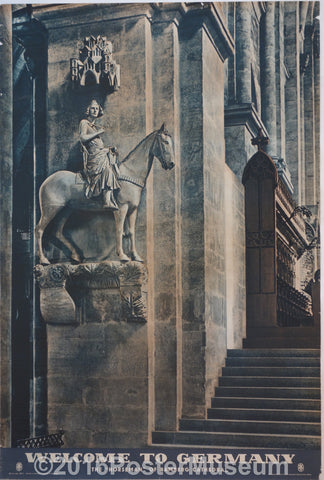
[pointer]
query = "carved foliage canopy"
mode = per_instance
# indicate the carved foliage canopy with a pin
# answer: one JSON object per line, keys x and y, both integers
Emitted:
{"x": 58, "y": 282}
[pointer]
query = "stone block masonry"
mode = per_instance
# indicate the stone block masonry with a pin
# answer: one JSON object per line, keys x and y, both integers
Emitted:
{"x": 98, "y": 358}
{"x": 97, "y": 384}
{"x": 171, "y": 58}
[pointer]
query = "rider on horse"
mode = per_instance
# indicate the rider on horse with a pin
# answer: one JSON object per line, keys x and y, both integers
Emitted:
{"x": 100, "y": 163}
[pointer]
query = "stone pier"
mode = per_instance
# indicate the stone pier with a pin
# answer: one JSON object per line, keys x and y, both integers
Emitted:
{"x": 97, "y": 352}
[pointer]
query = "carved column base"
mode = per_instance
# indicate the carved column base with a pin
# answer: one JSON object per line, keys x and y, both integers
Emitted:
{"x": 56, "y": 305}
{"x": 92, "y": 292}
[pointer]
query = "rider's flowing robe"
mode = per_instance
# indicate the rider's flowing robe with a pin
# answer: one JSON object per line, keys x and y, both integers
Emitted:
{"x": 98, "y": 165}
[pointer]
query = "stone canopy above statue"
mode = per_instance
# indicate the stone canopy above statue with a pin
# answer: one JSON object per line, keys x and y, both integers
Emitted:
{"x": 95, "y": 64}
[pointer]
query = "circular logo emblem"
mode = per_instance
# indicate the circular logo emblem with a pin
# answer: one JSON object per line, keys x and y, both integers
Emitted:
{"x": 300, "y": 467}
{"x": 43, "y": 466}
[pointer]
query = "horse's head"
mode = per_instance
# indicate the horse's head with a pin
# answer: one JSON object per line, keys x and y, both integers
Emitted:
{"x": 162, "y": 148}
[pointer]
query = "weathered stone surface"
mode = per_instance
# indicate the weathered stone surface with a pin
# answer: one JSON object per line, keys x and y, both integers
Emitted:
{"x": 269, "y": 107}
{"x": 98, "y": 387}
{"x": 112, "y": 377}
{"x": 96, "y": 292}
{"x": 165, "y": 223}
{"x": 5, "y": 221}
{"x": 241, "y": 123}
{"x": 57, "y": 306}
{"x": 100, "y": 363}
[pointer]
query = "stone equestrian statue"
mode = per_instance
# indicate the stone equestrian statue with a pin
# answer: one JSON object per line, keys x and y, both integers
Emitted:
{"x": 99, "y": 163}
{"x": 104, "y": 186}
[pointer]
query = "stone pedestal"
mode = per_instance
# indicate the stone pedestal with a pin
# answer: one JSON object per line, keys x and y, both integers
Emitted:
{"x": 97, "y": 352}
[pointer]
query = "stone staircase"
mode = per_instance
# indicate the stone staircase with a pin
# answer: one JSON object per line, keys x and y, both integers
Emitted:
{"x": 266, "y": 398}
{"x": 288, "y": 337}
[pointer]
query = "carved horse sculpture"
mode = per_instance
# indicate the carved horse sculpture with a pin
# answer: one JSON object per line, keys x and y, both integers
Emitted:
{"x": 61, "y": 192}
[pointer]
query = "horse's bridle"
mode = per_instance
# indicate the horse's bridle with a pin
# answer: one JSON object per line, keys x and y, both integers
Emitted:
{"x": 137, "y": 181}
{"x": 160, "y": 141}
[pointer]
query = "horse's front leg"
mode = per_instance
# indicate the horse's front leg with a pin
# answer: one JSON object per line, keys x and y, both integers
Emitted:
{"x": 132, "y": 221}
{"x": 120, "y": 216}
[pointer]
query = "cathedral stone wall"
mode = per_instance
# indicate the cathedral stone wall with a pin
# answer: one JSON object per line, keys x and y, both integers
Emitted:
{"x": 171, "y": 65}
{"x": 214, "y": 74}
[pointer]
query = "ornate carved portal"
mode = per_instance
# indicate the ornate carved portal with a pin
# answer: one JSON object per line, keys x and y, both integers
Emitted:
{"x": 276, "y": 241}
{"x": 260, "y": 179}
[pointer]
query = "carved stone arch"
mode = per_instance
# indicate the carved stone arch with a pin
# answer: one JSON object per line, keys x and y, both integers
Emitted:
{"x": 260, "y": 166}
{"x": 89, "y": 78}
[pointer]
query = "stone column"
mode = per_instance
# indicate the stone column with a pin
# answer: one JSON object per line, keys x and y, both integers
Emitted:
{"x": 281, "y": 73}
{"x": 242, "y": 112}
{"x": 292, "y": 100}
{"x": 317, "y": 124}
{"x": 202, "y": 207}
{"x": 309, "y": 120}
{"x": 231, "y": 61}
{"x": 269, "y": 83}
{"x": 6, "y": 222}
{"x": 317, "y": 107}
{"x": 29, "y": 147}
{"x": 167, "y": 224}
{"x": 243, "y": 51}
{"x": 317, "y": 103}
{"x": 192, "y": 205}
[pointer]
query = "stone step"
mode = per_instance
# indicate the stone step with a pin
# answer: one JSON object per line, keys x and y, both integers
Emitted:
{"x": 221, "y": 439}
{"x": 268, "y": 392}
{"x": 272, "y": 361}
{"x": 282, "y": 332}
{"x": 287, "y": 342}
{"x": 274, "y": 352}
{"x": 311, "y": 416}
{"x": 259, "y": 371}
{"x": 266, "y": 398}
{"x": 250, "y": 426}
{"x": 231, "y": 381}
{"x": 266, "y": 403}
